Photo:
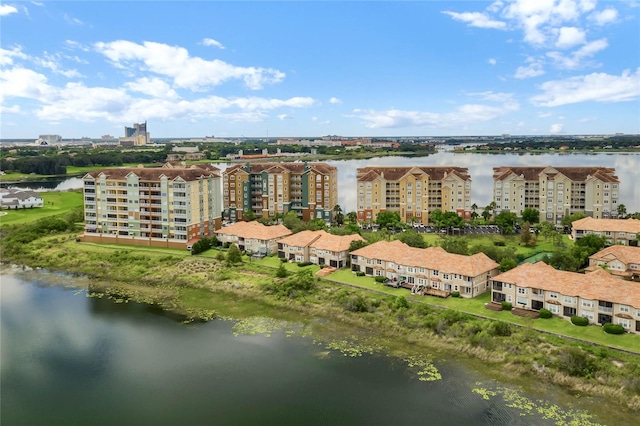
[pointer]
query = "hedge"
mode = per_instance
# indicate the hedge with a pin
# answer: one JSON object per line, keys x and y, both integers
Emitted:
{"x": 581, "y": 321}
{"x": 507, "y": 306}
{"x": 613, "y": 328}
{"x": 380, "y": 279}
{"x": 545, "y": 313}
{"x": 455, "y": 294}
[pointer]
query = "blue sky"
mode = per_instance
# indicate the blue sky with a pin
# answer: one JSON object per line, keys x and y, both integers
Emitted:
{"x": 298, "y": 68}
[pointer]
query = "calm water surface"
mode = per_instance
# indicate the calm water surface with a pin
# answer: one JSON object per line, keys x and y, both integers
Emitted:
{"x": 72, "y": 360}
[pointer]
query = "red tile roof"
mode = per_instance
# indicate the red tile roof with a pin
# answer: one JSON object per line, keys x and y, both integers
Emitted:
{"x": 366, "y": 174}
{"x": 155, "y": 173}
{"x": 255, "y": 230}
{"x": 576, "y": 174}
{"x": 320, "y": 240}
{"x": 625, "y": 254}
{"x": 602, "y": 225}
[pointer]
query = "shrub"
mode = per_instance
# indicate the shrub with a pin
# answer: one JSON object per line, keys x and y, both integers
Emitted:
{"x": 581, "y": 321}
{"x": 500, "y": 328}
{"x": 455, "y": 294}
{"x": 303, "y": 264}
{"x": 499, "y": 243}
{"x": 576, "y": 362}
{"x": 506, "y": 306}
{"x": 360, "y": 274}
{"x": 380, "y": 279}
{"x": 613, "y": 328}
{"x": 281, "y": 272}
{"x": 545, "y": 313}
{"x": 401, "y": 303}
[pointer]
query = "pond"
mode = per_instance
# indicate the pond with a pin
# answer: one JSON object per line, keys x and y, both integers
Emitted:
{"x": 70, "y": 359}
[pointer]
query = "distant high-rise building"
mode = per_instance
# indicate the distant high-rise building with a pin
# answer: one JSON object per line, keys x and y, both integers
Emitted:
{"x": 412, "y": 192}
{"x": 48, "y": 139}
{"x": 136, "y": 135}
{"x": 557, "y": 192}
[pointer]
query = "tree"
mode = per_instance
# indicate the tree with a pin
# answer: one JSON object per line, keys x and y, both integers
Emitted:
{"x": 531, "y": 215}
{"x": 505, "y": 220}
{"x": 413, "y": 239}
{"x": 486, "y": 213}
{"x": 388, "y": 219}
{"x": 353, "y": 217}
{"x": 526, "y": 236}
{"x": 568, "y": 220}
{"x": 455, "y": 245}
{"x": 357, "y": 244}
{"x": 234, "y": 255}
{"x": 622, "y": 211}
{"x": 248, "y": 215}
{"x": 474, "y": 214}
{"x": 292, "y": 221}
{"x": 282, "y": 271}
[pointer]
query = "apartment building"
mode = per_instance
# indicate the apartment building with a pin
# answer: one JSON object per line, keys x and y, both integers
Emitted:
{"x": 426, "y": 271}
{"x": 309, "y": 189}
{"x": 596, "y": 295}
{"x": 557, "y": 191}
{"x": 164, "y": 206}
{"x": 616, "y": 231}
{"x": 620, "y": 261}
{"x": 413, "y": 192}
{"x": 253, "y": 236}
{"x": 318, "y": 247}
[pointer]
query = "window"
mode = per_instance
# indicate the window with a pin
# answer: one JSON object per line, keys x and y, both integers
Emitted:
{"x": 553, "y": 295}
{"x": 568, "y": 299}
{"x": 522, "y": 291}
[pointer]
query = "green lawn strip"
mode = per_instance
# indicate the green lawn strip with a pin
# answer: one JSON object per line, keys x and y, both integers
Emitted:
{"x": 74, "y": 170}
{"x": 55, "y": 203}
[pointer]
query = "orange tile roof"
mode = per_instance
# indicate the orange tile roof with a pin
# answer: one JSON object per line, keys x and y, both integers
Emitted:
{"x": 296, "y": 168}
{"x": 255, "y": 230}
{"x": 435, "y": 258}
{"x": 578, "y": 174}
{"x": 320, "y": 240}
{"x": 596, "y": 285}
{"x": 603, "y": 225}
{"x": 154, "y": 173}
{"x": 625, "y": 254}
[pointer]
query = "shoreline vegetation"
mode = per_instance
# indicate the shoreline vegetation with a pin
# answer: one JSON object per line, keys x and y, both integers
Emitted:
{"x": 202, "y": 288}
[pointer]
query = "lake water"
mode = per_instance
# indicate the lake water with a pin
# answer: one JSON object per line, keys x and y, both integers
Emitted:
{"x": 68, "y": 359}
{"x": 480, "y": 167}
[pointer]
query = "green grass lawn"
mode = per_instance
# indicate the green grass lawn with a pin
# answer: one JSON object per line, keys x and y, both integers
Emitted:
{"x": 54, "y": 203}
{"x": 16, "y": 176}
{"x": 73, "y": 170}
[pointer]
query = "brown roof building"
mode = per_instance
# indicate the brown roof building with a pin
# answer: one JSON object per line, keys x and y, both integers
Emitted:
{"x": 616, "y": 231}
{"x": 595, "y": 295}
{"x": 430, "y": 268}
{"x": 318, "y": 247}
{"x": 162, "y": 206}
{"x": 253, "y": 236}
{"x": 619, "y": 261}
{"x": 267, "y": 189}
{"x": 557, "y": 191}
{"x": 413, "y": 192}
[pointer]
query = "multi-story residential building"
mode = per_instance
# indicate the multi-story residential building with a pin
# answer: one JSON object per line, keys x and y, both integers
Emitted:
{"x": 557, "y": 191}
{"x": 163, "y": 206}
{"x": 427, "y": 271}
{"x": 616, "y": 231}
{"x": 253, "y": 236}
{"x": 619, "y": 261}
{"x": 136, "y": 135}
{"x": 596, "y": 295}
{"x": 19, "y": 199}
{"x": 413, "y": 192}
{"x": 267, "y": 189}
{"x": 318, "y": 247}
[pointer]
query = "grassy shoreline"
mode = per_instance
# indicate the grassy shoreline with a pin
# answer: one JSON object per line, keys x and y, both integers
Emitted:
{"x": 200, "y": 287}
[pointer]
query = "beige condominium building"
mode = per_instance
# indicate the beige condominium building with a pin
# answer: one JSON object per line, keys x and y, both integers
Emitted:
{"x": 318, "y": 247}
{"x": 267, "y": 189}
{"x": 616, "y": 231}
{"x": 163, "y": 206}
{"x": 426, "y": 271}
{"x": 557, "y": 191}
{"x": 413, "y": 192}
{"x": 596, "y": 295}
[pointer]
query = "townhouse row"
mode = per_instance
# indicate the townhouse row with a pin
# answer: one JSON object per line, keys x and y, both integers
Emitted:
{"x": 597, "y": 295}
{"x": 174, "y": 204}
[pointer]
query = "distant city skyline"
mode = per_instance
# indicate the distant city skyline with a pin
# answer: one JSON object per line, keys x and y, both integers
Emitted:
{"x": 289, "y": 69}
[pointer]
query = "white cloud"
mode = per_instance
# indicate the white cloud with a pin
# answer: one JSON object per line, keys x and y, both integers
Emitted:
{"x": 491, "y": 61}
{"x": 595, "y": 87}
{"x": 493, "y": 96}
{"x": 335, "y": 101}
{"x": 314, "y": 118}
{"x": 463, "y": 116}
{"x": 532, "y": 70}
{"x": 569, "y": 37}
{"x": 587, "y": 119}
{"x": 36, "y": 3}
{"x": 5, "y": 10}
{"x": 187, "y": 72}
{"x": 212, "y": 42}
{"x": 556, "y": 128}
{"x": 72, "y": 44}
{"x": 477, "y": 19}
{"x": 52, "y": 62}
{"x": 577, "y": 59}
{"x": 7, "y": 56}
{"x": 544, "y": 114}
{"x": 605, "y": 16}
{"x": 9, "y": 109}
{"x": 153, "y": 87}
{"x": 285, "y": 117}
{"x": 71, "y": 20}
